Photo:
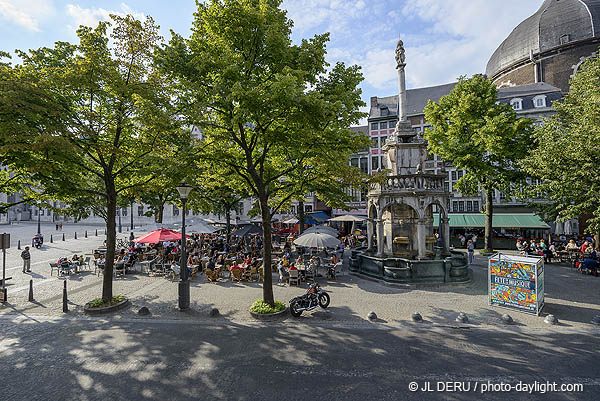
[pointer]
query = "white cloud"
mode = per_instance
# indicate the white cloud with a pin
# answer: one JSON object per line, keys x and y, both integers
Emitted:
{"x": 333, "y": 15}
{"x": 461, "y": 37}
{"x": 26, "y": 13}
{"x": 91, "y": 16}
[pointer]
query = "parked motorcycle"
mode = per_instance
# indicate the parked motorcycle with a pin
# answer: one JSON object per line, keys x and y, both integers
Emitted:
{"x": 38, "y": 241}
{"x": 315, "y": 296}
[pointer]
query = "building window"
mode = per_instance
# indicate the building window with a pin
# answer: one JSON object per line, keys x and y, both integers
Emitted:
{"x": 308, "y": 208}
{"x": 539, "y": 101}
{"x": 461, "y": 206}
{"x": 382, "y": 140}
{"x": 124, "y": 212}
{"x": 446, "y": 186}
{"x": 459, "y": 174}
{"x": 354, "y": 162}
{"x": 175, "y": 211}
{"x": 374, "y": 126}
{"x": 469, "y": 206}
{"x": 391, "y": 124}
{"x": 502, "y": 195}
{"x": 455, "y": 206}
{"x": 417, "y": 130}
{"x": 374, "y": 142}
{"x": 476, "y": 206}
{"x": 453, "y": 175}
{"x": 140, "y": 210}
{"x": 364, "y": 165}
{"x": 383, "y": 125}
{"x": 374, "y": 163}
{"x": 517, "y": 104}
{"x": 564, "y": 39}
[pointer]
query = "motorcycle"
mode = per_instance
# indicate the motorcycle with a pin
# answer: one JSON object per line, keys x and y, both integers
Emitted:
{"x": 37, "y": 241}
{"x": 315, "y": 296}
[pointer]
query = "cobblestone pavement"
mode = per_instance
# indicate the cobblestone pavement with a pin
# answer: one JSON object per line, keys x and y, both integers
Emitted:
{"x": 93, "y": 359}
{"x": 571, "y": 297}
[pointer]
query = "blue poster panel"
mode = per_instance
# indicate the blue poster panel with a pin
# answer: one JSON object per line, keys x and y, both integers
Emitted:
{"x": 513, "y": 283}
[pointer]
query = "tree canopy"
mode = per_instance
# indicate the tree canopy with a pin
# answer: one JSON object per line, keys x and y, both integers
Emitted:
{"x": 268, "y": 108}
{"x": 475, "y": 133}
{"x": 88, "y": 120}
{"x": 566, "y": 157}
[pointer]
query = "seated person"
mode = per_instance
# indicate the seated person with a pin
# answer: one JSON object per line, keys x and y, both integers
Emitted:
{"x": 283, "y": 273}
{"x": 210, "y": 265}
{"x": 334, "y": 259}
{"x": 571, "y": 246}
{"x": 235, "y": 266}
{"x": 590, "y": 264}
{"x": 299, "y": 260}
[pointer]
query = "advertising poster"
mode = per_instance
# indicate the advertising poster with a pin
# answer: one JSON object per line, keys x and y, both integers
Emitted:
{"x": 513, "y": 282}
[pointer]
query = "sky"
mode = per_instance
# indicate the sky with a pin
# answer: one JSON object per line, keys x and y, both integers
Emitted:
{"x": 444, "y": 39}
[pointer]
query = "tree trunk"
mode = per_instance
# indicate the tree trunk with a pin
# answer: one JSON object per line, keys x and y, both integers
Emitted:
{"x": 267, "y": 244}
{"x": 489, "y": 212}
{"x": 301, "y": 216}
{"x": 228, "y": 222}
{"x": 161, "y": 212}
{"x": 111, "y": 235}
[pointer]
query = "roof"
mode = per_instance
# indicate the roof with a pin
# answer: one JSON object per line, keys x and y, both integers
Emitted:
{"x": 526, "y": 90}
{"x": 517, "y": 220}
{"x": 579, "y": 19}
{"x": 363, "y": 129}
{"x": 416, "y": 101}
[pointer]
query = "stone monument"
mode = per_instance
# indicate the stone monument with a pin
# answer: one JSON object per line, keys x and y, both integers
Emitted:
{"x": 401, "y": 242}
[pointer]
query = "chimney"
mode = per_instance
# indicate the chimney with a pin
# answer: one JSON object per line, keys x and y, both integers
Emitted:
{"x": 373, "y": 101}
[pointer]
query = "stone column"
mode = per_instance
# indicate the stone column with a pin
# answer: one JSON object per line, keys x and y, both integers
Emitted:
{"x": 380, "y": 236}
{"x": 446, "y": 236}
{"x": 369, "y": 234}
{"x": 421, "y": 231}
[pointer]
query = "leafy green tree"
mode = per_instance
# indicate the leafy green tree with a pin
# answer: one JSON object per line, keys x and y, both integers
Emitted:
{"x": 487, "y": 139}
{"x": 267, "y": 107}
{"x": 565, "y": 157}
{"x": 88, "y": 119}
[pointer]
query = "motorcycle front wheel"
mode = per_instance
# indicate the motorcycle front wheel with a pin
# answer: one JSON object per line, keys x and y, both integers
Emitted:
{"x": 324, "y": 300}
{"x": 294, "y": 309}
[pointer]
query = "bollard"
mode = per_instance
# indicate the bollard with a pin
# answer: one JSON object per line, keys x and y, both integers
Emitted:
{"x": 75, "y": 234}
{"x": 51, "y": 239}
{"x": 96, "y": 232}
{"x": 63, "y": 236}
{"x": 65, "y": 306}
{"x": 85, "y": 233}
{"x": 19, "y": 244}
{"x": 4, "y": 291}
{"x": 30, "y": 290}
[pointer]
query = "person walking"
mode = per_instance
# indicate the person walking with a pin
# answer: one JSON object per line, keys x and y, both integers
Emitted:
{"x": 471, "y": 252}
{"x": 26, "y": 256}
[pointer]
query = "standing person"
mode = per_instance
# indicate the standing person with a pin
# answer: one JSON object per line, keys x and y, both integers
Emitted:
{"x": 26, "y": 256}
{"x": 474, "y": 240}
{"x": 471, "y": 251}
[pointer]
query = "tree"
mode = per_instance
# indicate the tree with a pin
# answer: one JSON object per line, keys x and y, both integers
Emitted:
{"x": 487, "y": 139}
{"x": 267, "y": 107}
{"x": 86, "y": 120}
{"x": 565, "y": 157}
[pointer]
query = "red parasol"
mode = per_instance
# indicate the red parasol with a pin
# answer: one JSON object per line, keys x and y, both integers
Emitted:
{"x": 160, "y": 235}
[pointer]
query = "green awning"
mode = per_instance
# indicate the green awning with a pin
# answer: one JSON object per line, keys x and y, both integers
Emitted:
{"x": 518, "y": 220}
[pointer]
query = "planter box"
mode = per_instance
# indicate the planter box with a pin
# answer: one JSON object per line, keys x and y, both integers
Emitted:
{"x": 106, "y": 309}
{"x": 269, "y": 316}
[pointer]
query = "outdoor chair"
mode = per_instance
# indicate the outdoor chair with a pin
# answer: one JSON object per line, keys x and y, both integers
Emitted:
{"x": 310, "y": 273}
{"x": 86, "y": 262}
{"x": 251, "y": 273}
{"x": 236, "y": 275}
{"x": 261, "y": 274}
{"x": 294, "y": 277}
{"x": 54, "y": 266}
{"x": 209, "y": 275}
{"x": 119, "y": 269}
{"x": 65, "y": 268}
{"x": 175, "y": 274}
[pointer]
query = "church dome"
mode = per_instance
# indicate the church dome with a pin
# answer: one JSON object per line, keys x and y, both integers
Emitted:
{"x": 557, "y": 23}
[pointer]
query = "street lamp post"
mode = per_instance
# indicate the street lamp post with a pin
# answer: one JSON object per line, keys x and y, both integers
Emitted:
{"x": 184, "y": 285}
{"x": 39, "y": 232}
{"x": 119, "y": 211}
{"x": 132, "y": 215}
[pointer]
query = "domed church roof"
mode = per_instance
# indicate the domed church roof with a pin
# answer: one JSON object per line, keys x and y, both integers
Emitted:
{"x": 556, "y": 23}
